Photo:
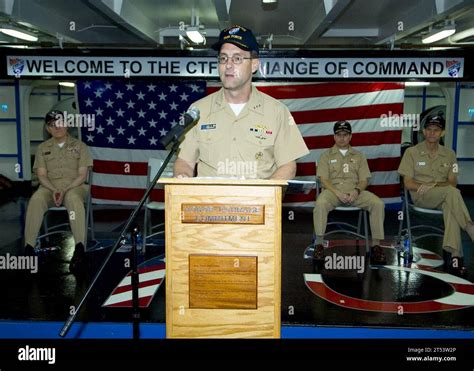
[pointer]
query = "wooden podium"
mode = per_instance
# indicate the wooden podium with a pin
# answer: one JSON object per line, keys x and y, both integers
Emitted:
{"x": 223, "y": 258}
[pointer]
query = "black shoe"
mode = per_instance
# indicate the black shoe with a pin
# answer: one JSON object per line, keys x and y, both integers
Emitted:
{"x": 78, "y": 259}
{"x": 446, "y": 260}
{"x": 29, "y": 251}
{"x": 457, "y": 267}
{"x": 318, "y": 252}
{"x": 377, "y": 256}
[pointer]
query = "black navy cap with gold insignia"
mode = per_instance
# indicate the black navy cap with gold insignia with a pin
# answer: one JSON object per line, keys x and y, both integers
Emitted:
{"x": 53, "y": 115}
{"x": 342, "y": 126}
{"x": 437, "y": 120}
{"x": 239, "y": 36}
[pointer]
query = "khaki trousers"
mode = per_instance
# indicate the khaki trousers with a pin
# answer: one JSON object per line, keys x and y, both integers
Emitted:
{"x": 455, "y": 214}
{"x": 328, "y": 201}
{"x": 42, "y": 199}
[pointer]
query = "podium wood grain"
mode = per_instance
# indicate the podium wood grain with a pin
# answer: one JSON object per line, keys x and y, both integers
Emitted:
{"x": 262, "y": 241}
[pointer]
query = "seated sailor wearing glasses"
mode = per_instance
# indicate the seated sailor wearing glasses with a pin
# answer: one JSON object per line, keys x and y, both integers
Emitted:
{"x": 242, "y": 132}
{"x": 61, "y": 164}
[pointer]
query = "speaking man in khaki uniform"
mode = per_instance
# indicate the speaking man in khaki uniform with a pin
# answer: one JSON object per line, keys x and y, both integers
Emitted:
{"x": 241, "y": 132}
{"x": 429, "y": 172}
{"x": 61, "y": 164}
{"x": 344, "y": 175}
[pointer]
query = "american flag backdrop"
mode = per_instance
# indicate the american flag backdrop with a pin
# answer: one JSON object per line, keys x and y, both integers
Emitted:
{"x": 130, "y": 118}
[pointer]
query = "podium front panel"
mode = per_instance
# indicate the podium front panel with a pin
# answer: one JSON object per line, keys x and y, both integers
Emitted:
{"x": 229, "y": 257}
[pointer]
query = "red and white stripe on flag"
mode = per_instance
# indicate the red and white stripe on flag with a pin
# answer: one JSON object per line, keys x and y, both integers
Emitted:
{"x": 367, "y": 106}
{"x": 315, "y": 107}
{"x": 150, "y": 276}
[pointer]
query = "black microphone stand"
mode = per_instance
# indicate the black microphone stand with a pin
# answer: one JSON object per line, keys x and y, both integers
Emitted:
{"x": 134, "y": 278}
{"x": 135, "y": 309}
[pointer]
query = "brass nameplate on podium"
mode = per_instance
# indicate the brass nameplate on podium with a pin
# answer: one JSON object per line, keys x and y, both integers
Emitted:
{"x": 214, "y": 213}
{"x": 222, "y": 282}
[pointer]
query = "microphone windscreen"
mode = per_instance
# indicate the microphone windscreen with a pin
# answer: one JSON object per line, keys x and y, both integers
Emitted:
{"x": 194, "y": 113}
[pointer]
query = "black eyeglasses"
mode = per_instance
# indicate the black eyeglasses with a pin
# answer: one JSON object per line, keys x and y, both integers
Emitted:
{"x": 236, "y": 59}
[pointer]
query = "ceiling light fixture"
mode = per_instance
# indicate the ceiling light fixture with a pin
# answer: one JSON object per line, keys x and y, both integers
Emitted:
{"x": 10, "y": 31}
{"x": 462, "y": 35}
{"x": 14, "y": 46}
{"x": 443, "y": 47}
{"x": 417, "y": 83}
{"x": 439, "y": 34}
{"x": 195, "y": 35}
{"x": 269, "y": 1}
{"x": 193, "y": 32}
{"x": 67, "y": 84}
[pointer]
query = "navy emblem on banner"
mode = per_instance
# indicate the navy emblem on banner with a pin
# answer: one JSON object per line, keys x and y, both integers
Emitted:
{"x": 453, "y": 68}
{"x": 17, "y": 65}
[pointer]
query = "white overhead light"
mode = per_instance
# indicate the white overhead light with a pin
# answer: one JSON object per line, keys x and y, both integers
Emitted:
{"x": 463, "y": 34}
{"x": 195, "y": 35}
{"x": 26, "y": 24}
{"x": 269, "y": 1}
{"x": 18, "y": 34}
{"x": 67, "y": 84}
{"x": 439, "y": 34}
{"x": 193, "y": 31}
{"x": 439, "y": 48}
{"x": 417, "y": 83}
{"x": 15, "y": 46}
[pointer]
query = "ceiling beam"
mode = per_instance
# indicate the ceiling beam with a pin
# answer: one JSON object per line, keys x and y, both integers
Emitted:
{"x": 222, "y": 11}
{"x": 6, "y": 6}
{"x": 127, "y": 16}
{"x": 325, "y": 17}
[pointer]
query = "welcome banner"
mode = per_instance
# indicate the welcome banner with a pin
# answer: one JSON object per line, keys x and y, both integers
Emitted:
{"x": 271, "y": 68}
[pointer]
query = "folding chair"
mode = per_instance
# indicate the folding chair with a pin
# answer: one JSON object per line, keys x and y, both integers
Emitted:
{"x": 150, "y": 230}
{"x": 64, "y": 227}
{"x": 408, "y": 205}
{"x": 349, "y": 228}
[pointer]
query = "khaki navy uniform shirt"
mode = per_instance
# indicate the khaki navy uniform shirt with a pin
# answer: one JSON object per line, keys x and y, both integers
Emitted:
{"x": 418, "y": 165}
{"x": 253, "y": 144}
{"x": 63, "y": 163}
{"x": 344, "y": 172}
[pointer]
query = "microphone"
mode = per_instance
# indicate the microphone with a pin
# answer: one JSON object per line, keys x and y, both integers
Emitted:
{"x": 186, "y": 121}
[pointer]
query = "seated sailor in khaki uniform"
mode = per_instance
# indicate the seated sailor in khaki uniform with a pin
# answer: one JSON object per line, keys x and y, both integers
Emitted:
{"x": 61, "y": 164}
{"x": 344, "y": 173}
{"x": 430, "y": 172}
